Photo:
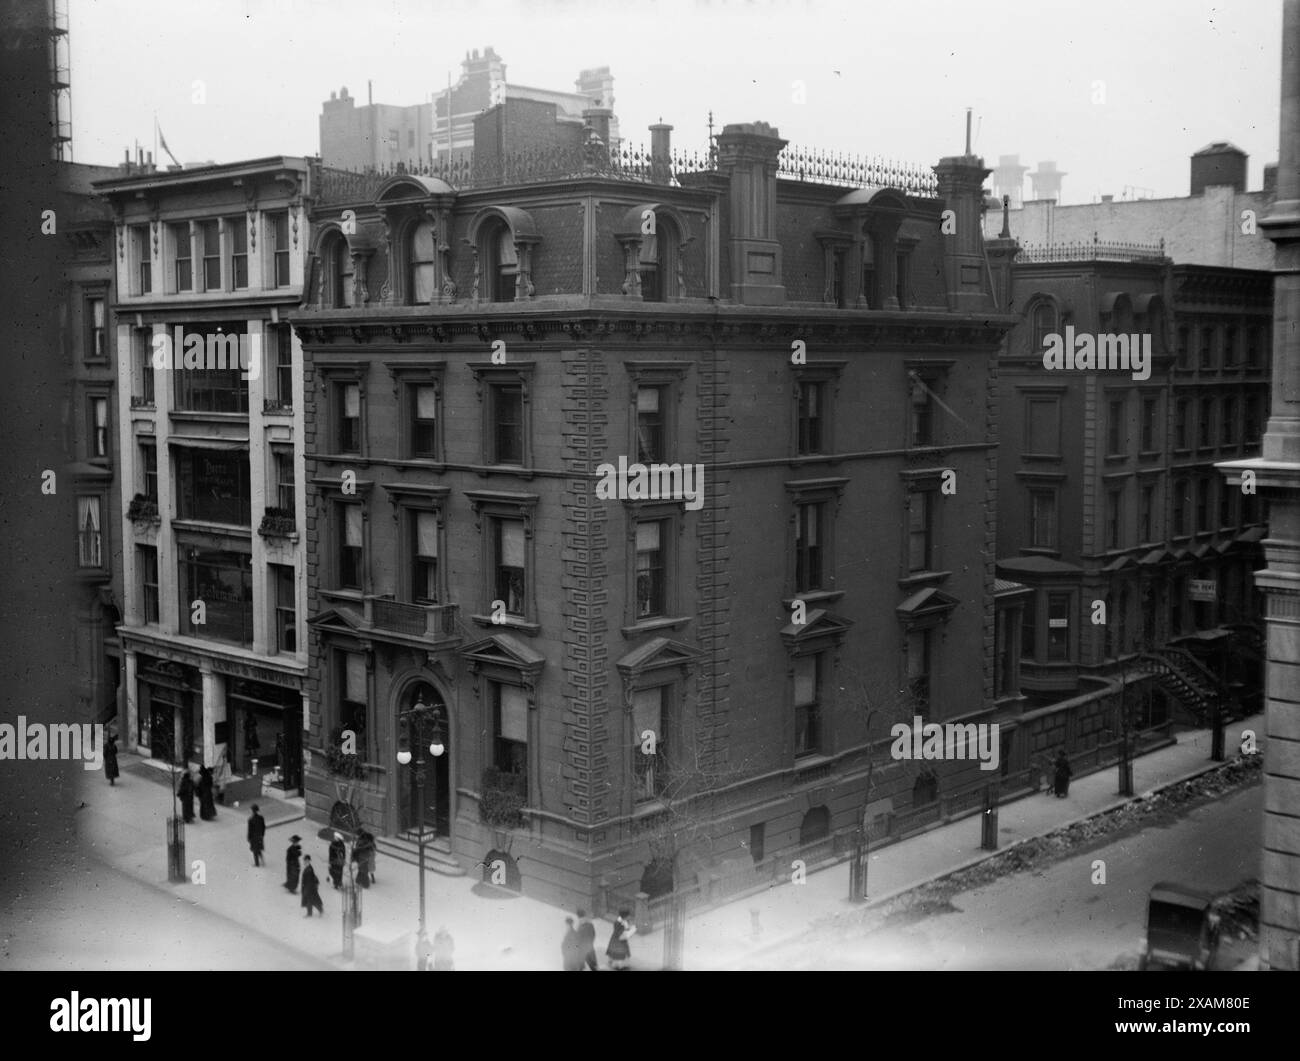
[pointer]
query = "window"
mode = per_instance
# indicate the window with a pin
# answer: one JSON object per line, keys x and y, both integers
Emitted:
{"x": 420, "y": 264}
{"x": 1114, "y": 516}
{"x": 142, "y": 351}
{"x": 1176, "y": 597}
{"x": 651, "y": 584}
{"x": 1228, "y": 423}
{"x": 351, "y": 538}
{"x": 279, "y": 232}
{"x": 1042, "y": 322}
{"x": 500, "y": 264}
{"x": 919, "y": 646}
{"x": 284, "y": 366}
{"x": 810, "y": 398}
{"x": 353, "y": 697}
{"x": 282, "y": 581}
{"x": 424, "y": 557}
{"x": 213, "y": 486}
{"x": 1042, "y": 519}
{"x": 1058, "y": 627}
{"x": 141, "y": 255}
{"x": 1043, "y": 427}
{"x": 285, "y": 487}
{"x": 1181, "y": 498}
{"x": 90, "y": 544}
{"x": 1254, "y": 343}
{"x": 838, "y": 265}
{"x": 1150, "y": 407}
{"x": 95, "y": 348}
{"x": 510, "y": 732}
{"x": 650, "y": 714}
{"x": 807, "y": 704}
{"x": 1005, "y": 670}
{"x": 653, "y": 280}
{"x": 99, "y": 428}
{"x": 922, "y": 406}
{"x": 210, "y": 240}
{"x": 183, "y": 256}
{"x": 510, "y": 565}
{"x": 223, "y": 581}
{"x": 808, "y": 551}
{"x": 1228, "y": 506}
{"x": 149, "y": 465}
{"x": 650, "y": 428}
{"x": 507, "y": 423}
{"x": 902, "y": 279}
{"x": 423, "y": 399}
{"x": 336, "y": 278}
{"x": 919, "y": 544}
{"x": 1146, "y": 514}
{"x": 1251, "y": 428}
{"x": 1203, "y": 504}
{"x": 1207, "y": 348}
{"x": 235, "y": 227}
{"x": 1230, "y": 349}
{"x": 1029, "y": 628}
{"x": 1116, "y": 437}
{"x": 347, "y": 398}
{"x": 1180, "y": 423}
{"x": 214, "y": 389}
{"x": 147, "y": 564}
{"x": 1205, "y": 428}
{"x": 870, "y": 292}
{"x": 1184, "y": 351}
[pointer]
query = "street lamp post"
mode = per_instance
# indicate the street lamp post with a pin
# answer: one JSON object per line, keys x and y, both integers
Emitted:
{"x": 415, "y": 717}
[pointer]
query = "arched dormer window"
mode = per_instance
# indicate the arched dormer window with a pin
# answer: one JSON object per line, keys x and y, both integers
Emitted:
{"x": 657, "y": 262}
{"x": 653, "y": 237}
{"x": 421, "y": 272}
{"x": 336, "y": 272}
{"x": 503, "y": 238}
{"x": 1044, "y": 320}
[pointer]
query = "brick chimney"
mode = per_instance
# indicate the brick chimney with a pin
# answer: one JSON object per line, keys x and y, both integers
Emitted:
{"x": 597, "y": 120}
{"x": 747, "y": 156}
{"x": 661, "y": 163}
{"x": 961, "y": 187}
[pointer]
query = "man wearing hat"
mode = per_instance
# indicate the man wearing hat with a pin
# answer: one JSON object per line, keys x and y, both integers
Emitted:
{"x": 256, "y": 835}
{"x": 338, "y": 859}
{"x": 291, "y": 864}
{"x": 311, "y": 888}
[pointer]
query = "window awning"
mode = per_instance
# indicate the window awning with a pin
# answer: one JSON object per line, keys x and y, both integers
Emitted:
{"x": 926, "y": 603}
{"x": 1119, "y": 563}
{"x": 208, "y": 442}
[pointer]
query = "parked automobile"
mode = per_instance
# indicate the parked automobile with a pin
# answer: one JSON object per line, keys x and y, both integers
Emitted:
{"x": 1182, "y": 929}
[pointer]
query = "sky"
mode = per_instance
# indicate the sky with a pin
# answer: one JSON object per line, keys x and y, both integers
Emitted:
{"x": 1117, "y": 92}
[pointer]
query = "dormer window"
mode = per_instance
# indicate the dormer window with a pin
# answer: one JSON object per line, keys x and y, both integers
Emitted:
{"x": 336, "y": 278}
{"x": 1043, "y": 321}
{"x": 500, "y": 264}
{"x": 657, "y": 261}
{"x": 420, "y": 264}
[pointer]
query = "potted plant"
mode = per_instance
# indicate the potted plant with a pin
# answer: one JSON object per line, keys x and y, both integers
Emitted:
{"x": 142, "y": 510}
{"x": 277, "y": 522}
{"x": 502, "y": 801}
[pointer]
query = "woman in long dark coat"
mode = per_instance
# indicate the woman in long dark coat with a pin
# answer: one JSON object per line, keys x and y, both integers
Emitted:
{"x": 363, "y": 854}
{"x": 617, "y": 950}
{"x": 338, "y": 859}
{"x": 1062, "y": 775}
{"x": 291, "y": 864}
{"x": 207, "y": 808}
{"x": 186, "y": 791}
{"x": 311, "y": 888}
{"x": 110, "y": 760}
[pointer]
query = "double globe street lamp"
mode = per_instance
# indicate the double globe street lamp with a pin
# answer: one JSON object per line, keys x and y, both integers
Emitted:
{"x": 417, "y": 717}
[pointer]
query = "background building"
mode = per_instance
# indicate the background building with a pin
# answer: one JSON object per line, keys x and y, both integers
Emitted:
{"x": 211, "y": 486}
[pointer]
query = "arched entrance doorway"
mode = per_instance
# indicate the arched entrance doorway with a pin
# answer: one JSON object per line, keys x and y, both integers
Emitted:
{"x": 437, "y": 769}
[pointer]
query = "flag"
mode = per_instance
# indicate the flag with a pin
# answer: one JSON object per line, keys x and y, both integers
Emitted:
{"x": 163, "y": 141}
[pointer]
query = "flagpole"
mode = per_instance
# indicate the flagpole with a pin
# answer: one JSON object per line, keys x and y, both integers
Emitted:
{"x": 156, "y": 159}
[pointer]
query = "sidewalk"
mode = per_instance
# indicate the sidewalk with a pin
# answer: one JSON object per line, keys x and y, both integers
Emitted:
{"x": 125, "y": 825}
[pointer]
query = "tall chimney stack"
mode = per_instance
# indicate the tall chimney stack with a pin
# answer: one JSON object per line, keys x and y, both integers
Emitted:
{"x": 747, "y": 155}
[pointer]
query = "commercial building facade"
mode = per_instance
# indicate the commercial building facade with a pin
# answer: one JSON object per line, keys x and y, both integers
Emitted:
{"x": 209, "y": 420}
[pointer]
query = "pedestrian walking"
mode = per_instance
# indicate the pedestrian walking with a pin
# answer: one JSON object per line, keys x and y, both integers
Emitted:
{"x": 618, "y": 951}
{"x": 586, "y": 942}
{"x": 186, "y": 791}
{"x": 110, "y": 760}
{"x": 444, "y": 947}
{"x": 207, "y": 808}
{"x": 338, "y": 859}
{"x": 311, "y": 888}
{"x": 256, "y": 834}
{"x": 1062, "y": 775}
{"x": 363, "y": 854}
{"x": 571, "y": 949}
{"x": 291, "y": 863}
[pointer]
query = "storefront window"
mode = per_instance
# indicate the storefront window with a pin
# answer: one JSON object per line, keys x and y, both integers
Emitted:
{"x": 223, "y": 582}
{"x": 214, "y": 486}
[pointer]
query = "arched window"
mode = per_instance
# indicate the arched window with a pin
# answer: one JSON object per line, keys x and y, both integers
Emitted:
{"x": 816, "y": 825}
{"x": 658, "y": 262}
{"x": 1043, "y": 321}
{"x": 336, "y": 278}
{"x": 421, "y": 247}
{"x": 499, "y": 264}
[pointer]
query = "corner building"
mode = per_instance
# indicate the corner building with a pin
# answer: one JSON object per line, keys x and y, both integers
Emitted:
{"x": 473, "y": 355}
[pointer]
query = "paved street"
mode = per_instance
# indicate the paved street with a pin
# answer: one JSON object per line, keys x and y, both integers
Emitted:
{"x": 1057, "y": 918}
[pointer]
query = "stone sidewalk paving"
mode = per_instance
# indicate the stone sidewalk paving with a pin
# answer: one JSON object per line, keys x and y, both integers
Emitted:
{"x": 125, "y": 825}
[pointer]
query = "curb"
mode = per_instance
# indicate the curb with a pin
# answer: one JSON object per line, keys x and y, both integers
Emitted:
{"x": 985, "y": 856}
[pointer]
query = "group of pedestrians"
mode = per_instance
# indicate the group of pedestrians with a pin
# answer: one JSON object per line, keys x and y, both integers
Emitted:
{"x": 299, "y": 873}
{"x": 204, "y": 789}
{"x": 579, "y": 946}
